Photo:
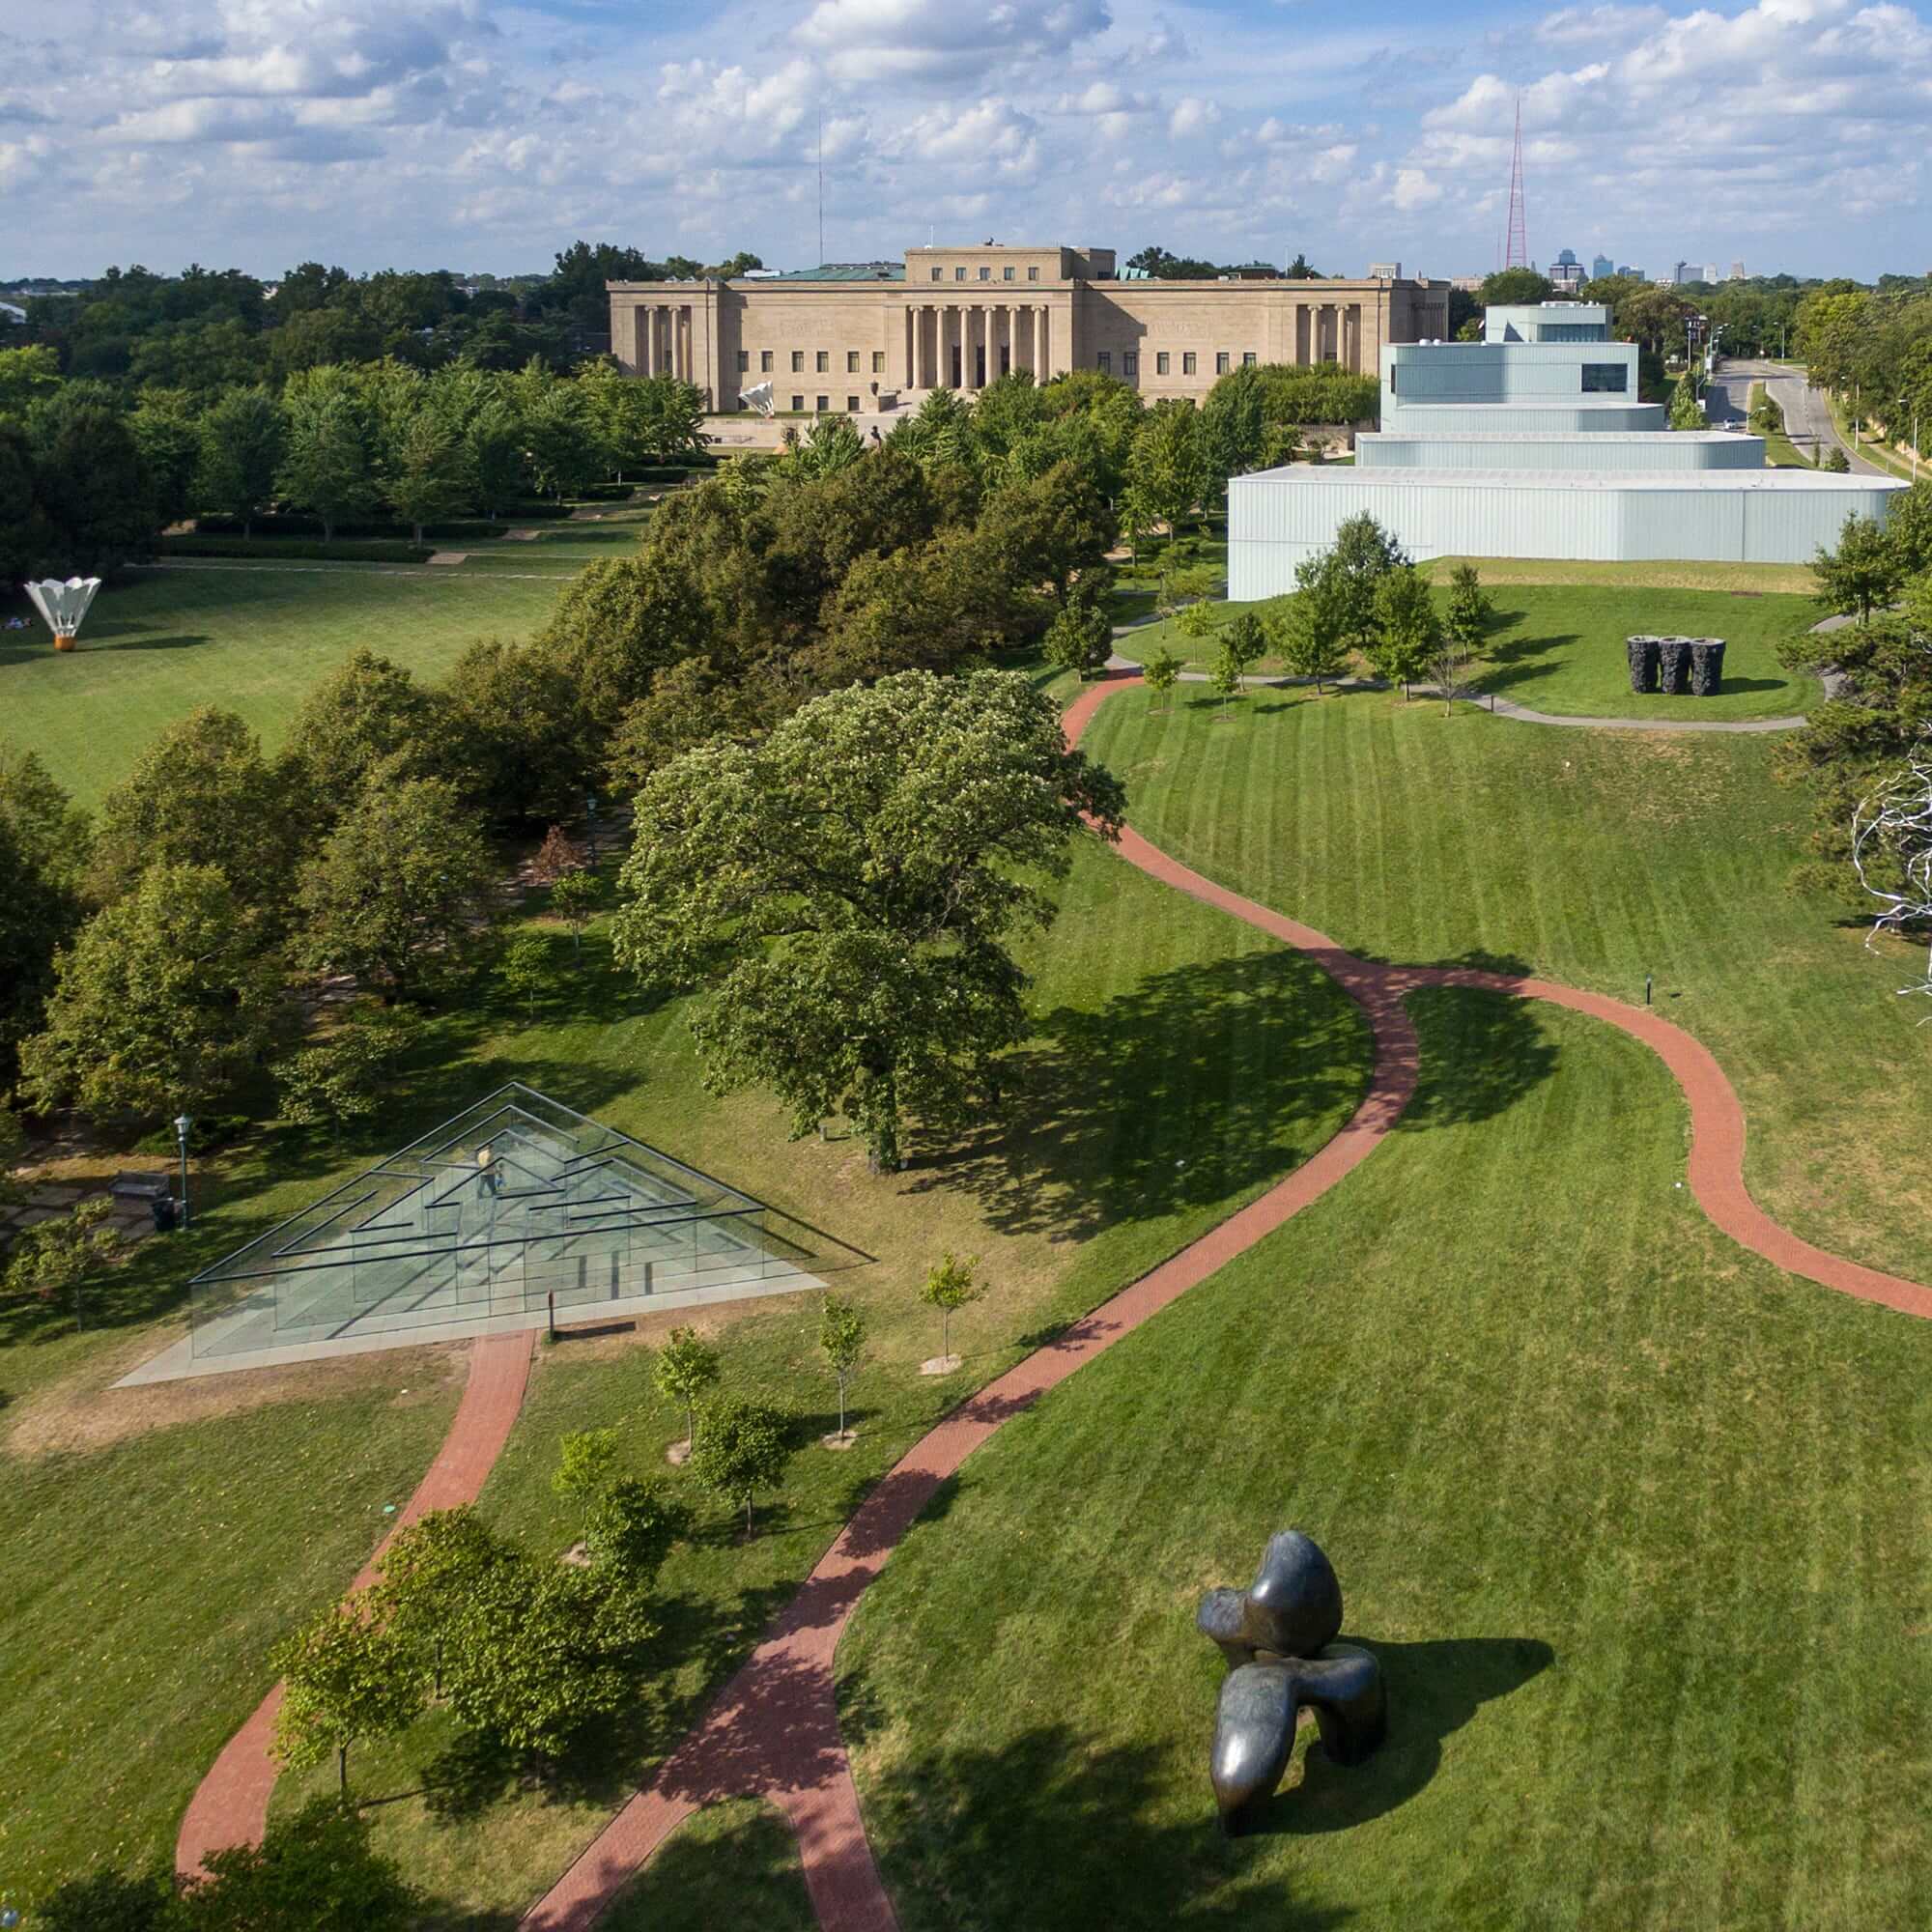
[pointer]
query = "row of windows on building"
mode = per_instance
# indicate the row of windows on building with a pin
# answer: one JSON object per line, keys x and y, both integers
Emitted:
{"x": 1163, "y": 362}
{"x": 1007, "y": 274}
{"x": 821, "y": 362}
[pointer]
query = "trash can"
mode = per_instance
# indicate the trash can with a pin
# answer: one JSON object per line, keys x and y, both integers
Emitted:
{"x": 166, "y": 1212}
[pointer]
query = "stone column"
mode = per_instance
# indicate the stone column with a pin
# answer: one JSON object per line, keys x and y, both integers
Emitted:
{"x": 1040, "y": 371}
{"x": 993, "y": 318}
{"x": 968, "y": 369}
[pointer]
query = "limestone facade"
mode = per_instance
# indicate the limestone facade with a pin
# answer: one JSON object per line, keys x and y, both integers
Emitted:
{"x": 956, "y": 317}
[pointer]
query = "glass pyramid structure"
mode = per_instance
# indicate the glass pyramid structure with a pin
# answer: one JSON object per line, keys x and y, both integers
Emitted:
{"x": 513, "y": 1208}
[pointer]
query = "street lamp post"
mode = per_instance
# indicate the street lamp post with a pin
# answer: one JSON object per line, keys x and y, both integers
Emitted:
{"x": 182, "y": 1122}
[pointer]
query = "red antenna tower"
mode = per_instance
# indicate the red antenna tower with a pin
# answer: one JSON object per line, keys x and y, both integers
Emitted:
{"x": 1516, "y": 246}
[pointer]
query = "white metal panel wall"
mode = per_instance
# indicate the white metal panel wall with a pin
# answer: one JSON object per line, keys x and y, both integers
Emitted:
{"x": 1498, "y": 372}
{"x": 1641, "y": 454}
{"x": 1273, "y": 525}
{"x": 1530, "y": 418}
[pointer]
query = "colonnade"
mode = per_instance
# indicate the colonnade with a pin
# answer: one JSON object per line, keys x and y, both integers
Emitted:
{"x": 963, "y": 345}
{"x": 663, "y": 341}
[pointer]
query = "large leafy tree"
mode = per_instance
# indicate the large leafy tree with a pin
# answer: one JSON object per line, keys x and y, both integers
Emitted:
{"x": 327, "y": 465}
{"x": 400, "y": 891}
{"x": 365, "y": 713}
{"x": 95, "y": 491}
{"x": 163, "y": 1003}
{"x": 42, "y": 856}
{"x": 348, "y": 1679}
{"x": 1409, "y": 627}
{"x": 202, "y": 794}
{"x": 243, "y": 443}
{"x": 847, "y": 888}
{"x": 1865, "y": 569}
{"x": 1168, "y": 470}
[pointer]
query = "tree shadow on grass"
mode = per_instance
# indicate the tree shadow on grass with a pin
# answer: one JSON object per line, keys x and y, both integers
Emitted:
{"x": 742, "y": 1872}
{"x": 1049, "y": 1833}
{"x": 1485, "y": 1050}
{"x": 1514, "y": 660}
{"x": 1199, "y": 1084}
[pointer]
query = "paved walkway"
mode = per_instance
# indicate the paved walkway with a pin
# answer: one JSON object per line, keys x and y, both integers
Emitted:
{"x": 774, "y": 1729}
{"x": 231, "y": 1806}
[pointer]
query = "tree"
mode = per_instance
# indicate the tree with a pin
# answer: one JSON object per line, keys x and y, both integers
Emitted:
{"x": 1160, "y": 673}
{"x": 623, "y": 622}
{"x": 367, "y": 712}
{"x": 161, "y": 1005}
{"x": 1361, "y": 555}
{"x": 574, "y": 899}
{"x": 841, "y": 1334}
{"x": 346, "y": 1076}
{"x": 347, "y": 1678}
{"x": 519, "y": 730}
{"x": 1242, "y": 642}
{"x": 27, "y": 375}
{"x": 168, "y": 438}
{"x": 1686, "y": 411}
{"x": 431, "y": 1568}
{"x": 40, "y": 908}
{"x": 949, "y": 1284}
{"x": 55, "y": 1258}
{"x": 1081, "y": 638}
{"x": 586, "y": 1464}
{"x": 422, "y": 474}
{"x": 1835, "y": 461}
{"x": 1470, "y": 614}
{"x": 845, "y": 887}
{"x": 399, "y": 893}
{"x": 26, "y": 537}
{"x": 1168, "y": 468}
{"x": 686, "y": 1366}
{"x": 201, "y": 794}
{"x": 95, "y": 493}
{"x": 557, "y": 856}
{"x": 106, "y": 1900}
{"x": 1312, "y": 629}
{"x": 1864, "y": 570}
{"x": 325, "y": 461}
{"x": 314, "y": 1872}
{"x": 1410, "y": 627}
{"x": 524, "y": 967}
{"x": 743, "y": 1451}
{"x": 243, "y": 445}
{"x": 1766, "y": 418}
{"x": 1510, "y": 288}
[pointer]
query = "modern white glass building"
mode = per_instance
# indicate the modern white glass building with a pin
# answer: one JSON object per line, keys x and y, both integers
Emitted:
{"x": 1533, "y": 443}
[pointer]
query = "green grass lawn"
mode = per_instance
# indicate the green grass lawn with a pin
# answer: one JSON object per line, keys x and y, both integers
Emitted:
{"x": 1560, "y": 648}
{"x": 733, "y": 1865}
{"x": 1182, "y": 1064}
{"x": 251, "y": 639}
{"x": 1593, "y": 857}
{"x": 1638, "y": 1526}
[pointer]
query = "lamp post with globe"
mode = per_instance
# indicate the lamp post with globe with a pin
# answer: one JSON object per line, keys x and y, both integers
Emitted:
{"x": 182, "y": 1122}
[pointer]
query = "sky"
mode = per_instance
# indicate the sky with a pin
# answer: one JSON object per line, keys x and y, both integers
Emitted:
{"x": 478, "y": 134}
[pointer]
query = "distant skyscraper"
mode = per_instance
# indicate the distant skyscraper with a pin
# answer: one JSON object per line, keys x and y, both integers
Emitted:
{"x": 1710, "y": 273}
{"x": 1682, "y": 273}
{"x": 1736, "y": 271}
{"x": 1566, "y": 272}
{"x": 1600, "y": 267}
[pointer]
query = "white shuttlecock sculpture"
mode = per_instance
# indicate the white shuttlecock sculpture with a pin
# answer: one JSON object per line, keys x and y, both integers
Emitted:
{"x": 64, "y": 605}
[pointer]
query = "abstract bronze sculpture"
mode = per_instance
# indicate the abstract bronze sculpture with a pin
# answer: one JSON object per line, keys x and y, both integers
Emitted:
{"x": 1676, "y": 665}
{"x": 1278, "y": 1637}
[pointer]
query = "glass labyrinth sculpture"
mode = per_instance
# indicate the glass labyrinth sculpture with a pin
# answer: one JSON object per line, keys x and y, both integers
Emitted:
{"x": 1278, "y": 1637}
{"x": 64, "y": 605}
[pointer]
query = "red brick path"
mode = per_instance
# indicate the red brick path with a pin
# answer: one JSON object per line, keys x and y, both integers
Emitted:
{"x": 231, "y": 1806}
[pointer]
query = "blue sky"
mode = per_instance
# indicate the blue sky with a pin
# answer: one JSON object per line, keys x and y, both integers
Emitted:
{"x": 478, "y": 134}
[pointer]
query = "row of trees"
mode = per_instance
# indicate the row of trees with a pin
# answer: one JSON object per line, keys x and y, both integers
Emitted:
{"x": 86, "y": 484}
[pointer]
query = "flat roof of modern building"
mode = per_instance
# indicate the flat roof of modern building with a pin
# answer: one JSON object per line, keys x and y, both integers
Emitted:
{"x": 1583, "y": 439}
{"x": 1312, "y": 475}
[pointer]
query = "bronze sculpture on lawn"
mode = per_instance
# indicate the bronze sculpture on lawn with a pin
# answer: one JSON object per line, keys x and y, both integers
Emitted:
{"x": 1278, "y": 1637}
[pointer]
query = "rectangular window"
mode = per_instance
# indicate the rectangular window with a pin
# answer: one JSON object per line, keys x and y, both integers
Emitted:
{"x": 1033, "y": 273}
{"x": 822, "y": 361}
{"x": 878, "y": 362}
{"x": 1130, "y": 364}
{"x": 851, "y": 361}
{"x": 851, "y": 405}
{"x": 766, "y": 361}
{"x": 744, "y": 361}
{"x": 959, "y": 273}
{"x": 939, "y": 274}
{"x": 1247, "y": 358}
{"x": 797, "y": 362}
{"x": 1104, "y": 362}
{"x": 985, "y": 273}
{"x": 1005, "y": 274}
{"x": 1220, "y": 361}
{"x": 1605, "y": 378}
{"x": 1187, "y": 362}
{"x": 822, "y": 404}
{"x": 1162, "y": 359}
{"x": 798, "y": 405}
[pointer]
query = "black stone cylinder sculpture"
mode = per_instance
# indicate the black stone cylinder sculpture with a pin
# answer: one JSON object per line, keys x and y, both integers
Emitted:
{"x": 1707, "y": 665}
{"x": 1642, "y": 662}
{"x": 1278, "y": 1637}
{"x": 1673, "y": 665}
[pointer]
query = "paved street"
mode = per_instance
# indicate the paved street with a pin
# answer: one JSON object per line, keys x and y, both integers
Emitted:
{"x": 1807, "y": 417}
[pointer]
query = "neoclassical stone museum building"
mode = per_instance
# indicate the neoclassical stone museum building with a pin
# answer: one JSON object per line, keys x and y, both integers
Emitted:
{"x": 956, "y": 317}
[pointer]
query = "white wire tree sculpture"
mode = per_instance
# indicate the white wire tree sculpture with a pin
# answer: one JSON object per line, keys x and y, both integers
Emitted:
{"x": 1892, "y": 848}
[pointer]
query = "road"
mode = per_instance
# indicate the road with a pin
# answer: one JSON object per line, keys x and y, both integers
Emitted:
{"x": 1807, "y": 415}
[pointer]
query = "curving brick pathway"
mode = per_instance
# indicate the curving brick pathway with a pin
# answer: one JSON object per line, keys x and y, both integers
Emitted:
{"x": 231, "y": 1805}
{"x": 773, "y": 1731}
